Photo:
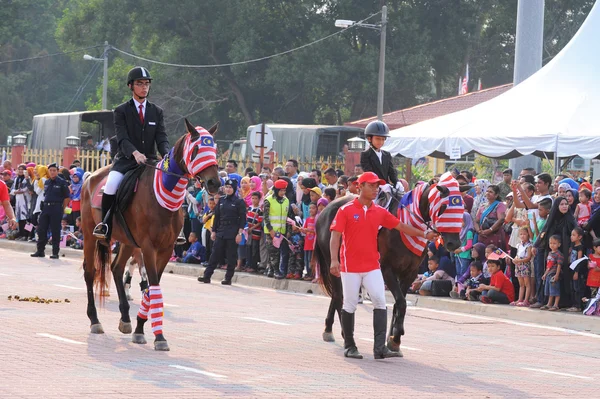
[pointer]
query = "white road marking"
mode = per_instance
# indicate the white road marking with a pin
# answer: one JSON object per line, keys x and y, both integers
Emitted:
{"x": 6, "y": 275}
{"x": 197, "y": 371}
{"x": 408, "y": 348}
{"x": 168, "y": 305}
{"x": 514, "y": 323}
{"x": 56, "y": 337}
{"x": 69, "y": 287}
{"x": 266, "y": 321}
{"x": 557, "y": 373}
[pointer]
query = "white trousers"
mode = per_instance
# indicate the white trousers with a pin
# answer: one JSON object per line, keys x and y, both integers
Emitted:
{"x": 371, "y": 281}
{"x": 112, "y": 183}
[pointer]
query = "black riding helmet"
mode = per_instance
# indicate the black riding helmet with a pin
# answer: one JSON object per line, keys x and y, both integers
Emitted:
{"x": 138, "y": 73}
{"x": 377, "y": 128}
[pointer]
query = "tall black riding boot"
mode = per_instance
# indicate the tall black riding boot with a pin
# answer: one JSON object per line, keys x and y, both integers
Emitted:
{"x": 380, "y": 351}
{"x": 101, "y": 230}
{"x": 350, "y": 349}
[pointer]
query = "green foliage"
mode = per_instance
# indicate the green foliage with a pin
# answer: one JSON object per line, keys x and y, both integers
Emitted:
{"x": 333, "y": 82}
{"x": 486, "y": 168}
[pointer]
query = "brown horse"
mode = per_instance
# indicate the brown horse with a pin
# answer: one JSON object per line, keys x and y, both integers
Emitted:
{"x": 399, "y": 265}
{"x": 154, "y": 224}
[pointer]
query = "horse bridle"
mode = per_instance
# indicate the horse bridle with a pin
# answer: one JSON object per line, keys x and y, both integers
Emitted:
{"x": 419, "y": 218}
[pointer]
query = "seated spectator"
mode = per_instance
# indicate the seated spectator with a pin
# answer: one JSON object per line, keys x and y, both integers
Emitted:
{"x": 427, "y": 287}
{"x": 77, "y": 242}
{"x": 469, "y": 292}
{"x": 500, "y": 289}
{"x": 196, "y": 253}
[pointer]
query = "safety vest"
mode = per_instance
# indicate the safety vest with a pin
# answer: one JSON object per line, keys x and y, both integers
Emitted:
{"x": 278, "y": 214}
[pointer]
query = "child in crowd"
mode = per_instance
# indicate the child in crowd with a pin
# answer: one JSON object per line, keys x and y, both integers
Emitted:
{"x": 584, "y": 208}
{"x": 523, "y": 262}
{"x": 196, "y": 253}
{"x": 77, "y": 243}
{"x": 436, "y": 274}
{"x": 309, "y": 238}
{"x": 75, "y": 188}
{"x": 576, "y": 252}
{"x": 488, "y": 251}
{"x": 538, "y": 221}
{"x": 296, "y": 245}
{"x": 551, "y": 277}
{"x": 593, "y": 278}
{"x": 477, "y": 254}
{"x": 470, "y": 286}
{"x": 254, "y": 219}
{"x": 500, "y": 289}
{"x": 207, "y": 219}
{"x": 329, "y": 194}
{"x": 463, "y": 254}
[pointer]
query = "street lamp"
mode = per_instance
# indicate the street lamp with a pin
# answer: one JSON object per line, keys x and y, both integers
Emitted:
{"x": 357, "y": 144}
{"x": 104, "y": 58}
{"x": 72, "y": 141}
{"x": 19, "y": 140}
{"x": 345, "y": 23}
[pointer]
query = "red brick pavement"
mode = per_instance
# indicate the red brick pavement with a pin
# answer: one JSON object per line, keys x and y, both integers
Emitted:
{"x": 222, "y": 344}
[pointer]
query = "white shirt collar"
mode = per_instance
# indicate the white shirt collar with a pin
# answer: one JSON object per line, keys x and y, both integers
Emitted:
{"x": 137, "y": 105}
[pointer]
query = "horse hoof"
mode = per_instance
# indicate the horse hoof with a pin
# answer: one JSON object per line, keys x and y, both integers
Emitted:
{"x": 97, "y": 329}
{"x": 138, "y": 339}
{"x": 394, "y": 347}
{"x": 328, "y": 337}
{"x": 125, "y": 328}
{"x": 161, "y": 346}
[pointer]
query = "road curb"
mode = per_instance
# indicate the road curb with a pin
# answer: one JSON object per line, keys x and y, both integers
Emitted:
{"x": 571, "y": 321}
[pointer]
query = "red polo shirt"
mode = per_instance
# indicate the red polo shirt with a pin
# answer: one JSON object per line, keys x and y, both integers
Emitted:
{"x": 359, "y": 226}
{"x": 3, "y": 192}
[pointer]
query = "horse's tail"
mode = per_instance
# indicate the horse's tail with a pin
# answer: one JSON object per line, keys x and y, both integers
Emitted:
{"x": 102, "y": 264}
{"x": 325, "y": 280}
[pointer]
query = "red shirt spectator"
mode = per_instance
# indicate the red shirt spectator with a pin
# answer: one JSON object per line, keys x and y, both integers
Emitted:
{"x": 500, "y": 281}
{"x": 309, "y": 240}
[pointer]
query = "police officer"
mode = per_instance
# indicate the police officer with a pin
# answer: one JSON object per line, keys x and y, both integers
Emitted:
{"x": 56, "y": 198}
{"x": 140, "y": 129}
{"x": 230, "y": 220}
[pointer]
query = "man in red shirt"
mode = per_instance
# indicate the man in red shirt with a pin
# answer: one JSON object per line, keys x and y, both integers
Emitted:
{"x": 5, "y": 200}
{"x": 356, "y": 226}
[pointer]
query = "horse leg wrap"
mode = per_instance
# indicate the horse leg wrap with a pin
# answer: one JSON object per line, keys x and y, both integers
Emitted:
{"x": 144, "y": 306}
{"x": 156, "y": 309}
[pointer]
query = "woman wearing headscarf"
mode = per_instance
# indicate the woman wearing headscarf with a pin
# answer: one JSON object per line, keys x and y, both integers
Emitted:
{"x": 245, "y": 191}
{"x": 20, "y": 190}
{"x": 299, "y": 193}
{"x": 481, "y": 186}
{"x": 304, "y": 187}
{"x": 41, "y": 175}
{"x": 489, "y": 220}
{"x": 572, "y": 183}
{"x": 463, "y": 254}
{"x": 75, "y": 204}
{"x": 572, "y": 197}
{"x": 560, "y": 222}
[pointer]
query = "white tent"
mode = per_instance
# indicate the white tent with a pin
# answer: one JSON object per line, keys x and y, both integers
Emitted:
{"x": 556, "y": 110}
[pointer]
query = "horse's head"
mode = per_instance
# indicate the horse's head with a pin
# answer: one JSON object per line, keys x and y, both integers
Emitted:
{"x": 197, "y": 152}
{"x": 445, "y": 209}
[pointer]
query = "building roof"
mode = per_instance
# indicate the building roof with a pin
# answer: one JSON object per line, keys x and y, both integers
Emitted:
{"x": 423, "y": 112}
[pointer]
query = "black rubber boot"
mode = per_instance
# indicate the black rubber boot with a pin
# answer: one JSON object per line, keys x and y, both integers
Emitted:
{"x": 350, "y": 349}
{"x": 101, "y": 230}
{"x": 380, "y": 351}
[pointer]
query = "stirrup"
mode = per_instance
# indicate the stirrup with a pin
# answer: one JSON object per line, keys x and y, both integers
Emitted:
{"x": 100, "y": 231}
{"x": 180, "y": 238}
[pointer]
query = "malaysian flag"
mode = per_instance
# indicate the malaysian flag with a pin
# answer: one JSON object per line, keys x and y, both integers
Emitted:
{"x": 464, "y": 84}
{"x": 449, "y": 222}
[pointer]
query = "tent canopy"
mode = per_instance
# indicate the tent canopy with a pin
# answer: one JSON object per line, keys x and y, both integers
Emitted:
{"x": 555, "y": 110}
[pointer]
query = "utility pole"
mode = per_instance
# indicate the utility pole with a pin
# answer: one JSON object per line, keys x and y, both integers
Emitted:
{"x": 380, "y": 88}
{"x": 105, "y": 79}
{"x": 528, "y": 60}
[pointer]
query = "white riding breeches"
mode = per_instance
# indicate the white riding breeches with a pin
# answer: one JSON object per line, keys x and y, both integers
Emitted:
{"x": 112, "y": 183}
{"x": 372, "y": 281}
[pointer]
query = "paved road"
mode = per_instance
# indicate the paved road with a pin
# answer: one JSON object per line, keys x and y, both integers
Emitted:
{"x": 249, "y": 342}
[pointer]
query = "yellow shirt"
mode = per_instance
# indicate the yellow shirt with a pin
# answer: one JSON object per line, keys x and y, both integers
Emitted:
{"x": 209, "y": 223}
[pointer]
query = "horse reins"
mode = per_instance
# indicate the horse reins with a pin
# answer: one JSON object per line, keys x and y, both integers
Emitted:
{"x": 419, "y": 218}
{"x": 166, "y": 171}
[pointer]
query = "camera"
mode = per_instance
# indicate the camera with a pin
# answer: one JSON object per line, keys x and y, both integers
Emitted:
{"x": 263, "y": 176}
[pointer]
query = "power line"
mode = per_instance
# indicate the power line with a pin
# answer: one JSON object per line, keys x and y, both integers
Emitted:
{"x": 50, "y": 55}
{"x": 83, "y": 85}
{"x": 247, "y": 61}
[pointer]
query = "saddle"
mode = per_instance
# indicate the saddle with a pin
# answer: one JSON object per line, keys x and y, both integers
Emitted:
{"x": 123, "y": 197}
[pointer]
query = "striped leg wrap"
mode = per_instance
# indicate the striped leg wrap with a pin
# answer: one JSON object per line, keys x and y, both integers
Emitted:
{"x": 144, "y": 306}
{"x": 156, "y": 309}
